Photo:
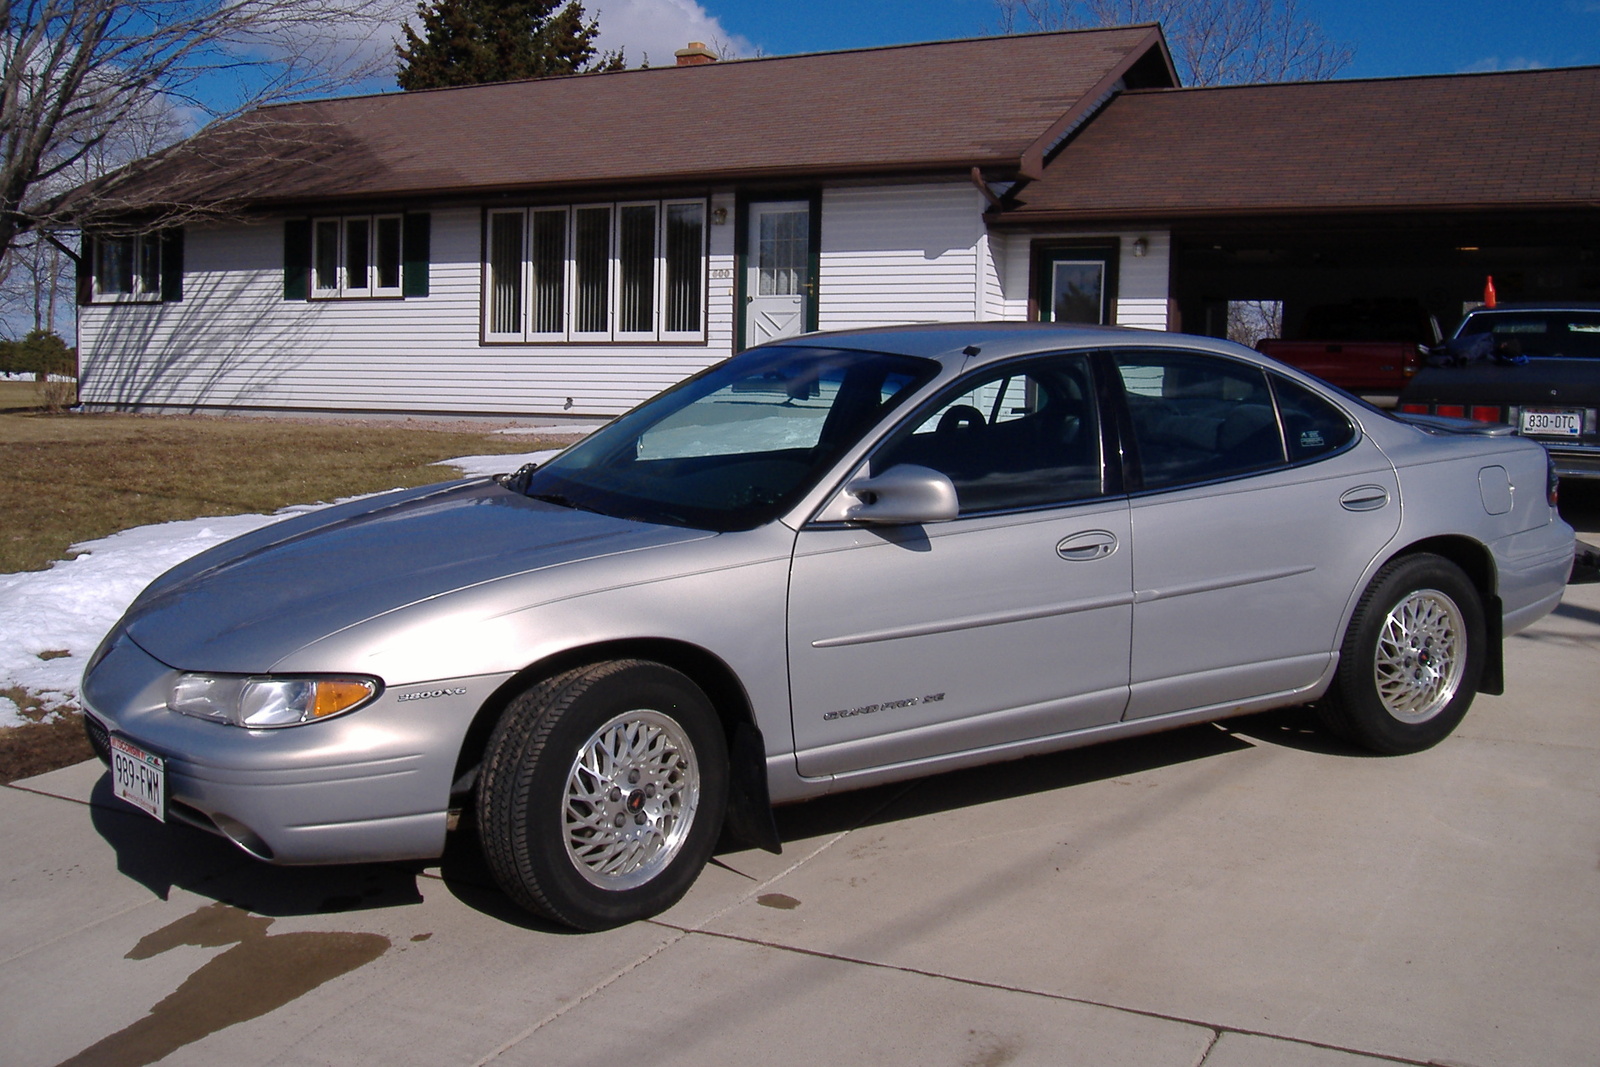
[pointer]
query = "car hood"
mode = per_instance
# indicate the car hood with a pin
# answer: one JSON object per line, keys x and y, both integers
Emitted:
{"x": 1568, "y": 380}
{"x": 245, "y": 605}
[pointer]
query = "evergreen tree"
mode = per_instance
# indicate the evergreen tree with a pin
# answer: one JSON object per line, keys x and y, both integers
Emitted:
{"x": 473, "y": 42}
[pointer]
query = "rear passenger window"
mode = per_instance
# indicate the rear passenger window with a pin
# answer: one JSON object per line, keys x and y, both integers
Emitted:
{"x": 1198, "y": 418}
{"x": 1312, "y": 426}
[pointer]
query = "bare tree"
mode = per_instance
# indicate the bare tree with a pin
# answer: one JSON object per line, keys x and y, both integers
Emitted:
{"x": 88, "y": 85}
{"x": 1213, "y": 42}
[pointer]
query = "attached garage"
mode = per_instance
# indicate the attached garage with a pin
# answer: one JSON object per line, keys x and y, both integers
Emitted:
{"x": 1323, "y": 192}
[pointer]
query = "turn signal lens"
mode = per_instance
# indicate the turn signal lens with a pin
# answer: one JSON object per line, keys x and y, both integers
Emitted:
{"x": 331, "y": 696}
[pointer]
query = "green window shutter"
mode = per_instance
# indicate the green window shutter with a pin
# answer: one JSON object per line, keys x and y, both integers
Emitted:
{"x": 297, "y": 259}
{"x": 85, "y": 267}
{"x": 171, "y": 265}
{"x": 418, "y": 231}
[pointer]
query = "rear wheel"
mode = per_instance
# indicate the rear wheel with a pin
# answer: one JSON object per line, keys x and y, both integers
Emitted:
{"x": 602, "y": 793}
{"x": 1411, "y": 659}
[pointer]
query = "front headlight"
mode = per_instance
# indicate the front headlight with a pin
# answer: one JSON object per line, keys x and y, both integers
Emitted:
{"x": 268, "y": 702}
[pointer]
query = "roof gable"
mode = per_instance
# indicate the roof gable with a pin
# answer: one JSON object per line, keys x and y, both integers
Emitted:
{"x": 945, "y": 106}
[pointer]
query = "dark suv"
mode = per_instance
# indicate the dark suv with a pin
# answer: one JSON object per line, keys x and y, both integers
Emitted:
{"x": 1538, "y": 369}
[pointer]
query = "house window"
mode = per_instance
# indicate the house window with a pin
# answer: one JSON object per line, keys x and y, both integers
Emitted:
{"x": 356, "y": 256}
{"x": 137, "y": 267}
{"x": 597, "y": 272}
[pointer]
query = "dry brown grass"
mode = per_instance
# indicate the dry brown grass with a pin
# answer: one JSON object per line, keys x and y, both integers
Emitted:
{"x": 46, "y": 744}
{"x": 71, "y": 478}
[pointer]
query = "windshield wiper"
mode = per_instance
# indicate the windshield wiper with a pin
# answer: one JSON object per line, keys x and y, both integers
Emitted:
{"x": 564, "y": 502}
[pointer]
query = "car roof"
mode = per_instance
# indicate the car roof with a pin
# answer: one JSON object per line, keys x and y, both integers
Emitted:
{"x": 1505, "y": 307}
{"x": 958, "y": 344}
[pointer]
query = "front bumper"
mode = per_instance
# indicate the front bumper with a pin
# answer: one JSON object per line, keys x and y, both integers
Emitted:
{"x": 371, "y": 785}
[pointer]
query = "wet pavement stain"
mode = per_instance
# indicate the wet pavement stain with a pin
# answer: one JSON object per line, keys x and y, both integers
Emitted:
{"x": 782, "y": 901}
{"x": 259, "y": 974}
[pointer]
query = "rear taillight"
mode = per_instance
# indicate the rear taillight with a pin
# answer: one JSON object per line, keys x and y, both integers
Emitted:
{"x": 1482, "y": 413}
{"x": 1552, "y": 481}
{"x": 1414, "y": 409}
{"x": 1455, "y": 411}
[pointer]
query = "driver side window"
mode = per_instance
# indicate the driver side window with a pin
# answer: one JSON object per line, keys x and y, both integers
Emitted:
{"x": 1019, "y": 436}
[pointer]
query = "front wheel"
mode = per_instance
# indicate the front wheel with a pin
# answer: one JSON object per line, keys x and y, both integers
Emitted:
{"x": 602, "y": 793}
{"x": 1411, "y": 659}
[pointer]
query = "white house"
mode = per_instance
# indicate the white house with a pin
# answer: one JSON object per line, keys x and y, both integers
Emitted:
{"x": 575, "y": 245}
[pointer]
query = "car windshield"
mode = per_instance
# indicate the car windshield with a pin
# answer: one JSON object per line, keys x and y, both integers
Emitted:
{"x": 734, "y": 446}
{"x": 1540, "y": 333}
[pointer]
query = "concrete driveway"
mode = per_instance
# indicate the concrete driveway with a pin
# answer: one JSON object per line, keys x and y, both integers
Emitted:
{"x": 1251, "y": 895}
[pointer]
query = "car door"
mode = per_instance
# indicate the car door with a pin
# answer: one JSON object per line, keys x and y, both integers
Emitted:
{"x": 1010, "y": 622}
{"x": 1259, "y": 506}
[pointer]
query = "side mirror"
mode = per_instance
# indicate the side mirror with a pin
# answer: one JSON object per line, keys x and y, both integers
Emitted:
{"x": 904, "y": 494}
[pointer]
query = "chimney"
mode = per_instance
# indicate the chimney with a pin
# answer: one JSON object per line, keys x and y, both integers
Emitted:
{"x": 696, "y": 54}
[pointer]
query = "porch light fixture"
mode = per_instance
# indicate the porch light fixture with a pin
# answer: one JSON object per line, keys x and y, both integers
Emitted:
{"x": 719, "y": 216}
{"x": 1141, "y": 246}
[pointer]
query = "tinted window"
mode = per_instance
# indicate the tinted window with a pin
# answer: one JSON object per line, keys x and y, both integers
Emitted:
{"x": 1020, "y": 436}
{"x": 1198, "y": 418}
{"x": 1312, "y": 426}
{"x": 732, "y": 447}
{"x": 1539, "y": 333}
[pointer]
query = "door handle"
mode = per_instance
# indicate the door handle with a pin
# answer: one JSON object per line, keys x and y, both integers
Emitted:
{"x": 1364, "y": 498}
{"x": 1089, "y": 545}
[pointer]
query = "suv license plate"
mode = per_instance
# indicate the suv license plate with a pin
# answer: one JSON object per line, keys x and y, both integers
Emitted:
{"x": 139, "y": 778}
{"x": 1548, "y": 422}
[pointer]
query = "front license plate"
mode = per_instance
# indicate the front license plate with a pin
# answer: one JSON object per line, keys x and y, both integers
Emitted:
{"x": 139, "y": 778}
{"x": 1552, "y": 422}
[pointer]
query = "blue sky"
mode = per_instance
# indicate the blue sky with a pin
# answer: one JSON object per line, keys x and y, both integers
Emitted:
{"x": 1389, "y": 38}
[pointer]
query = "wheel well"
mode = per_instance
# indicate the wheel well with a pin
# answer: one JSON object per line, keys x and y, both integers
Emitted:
{"x": 1477, "y": 563}
{"x": 1472, "y": 557}
{"x": 707, "y": 671}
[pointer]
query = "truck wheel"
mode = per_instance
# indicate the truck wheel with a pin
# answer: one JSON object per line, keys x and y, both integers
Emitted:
{"x": 1411, "y": 659}
{"x": 602, "y": 793}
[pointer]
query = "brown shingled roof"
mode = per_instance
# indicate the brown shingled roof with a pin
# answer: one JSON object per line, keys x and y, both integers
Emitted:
{"x": 942, "y": 106}
{"x": 1472, "y": 141}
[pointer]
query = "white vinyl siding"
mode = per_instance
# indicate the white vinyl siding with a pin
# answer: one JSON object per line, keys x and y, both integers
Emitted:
{"x": 235, "y": 342}
{"x": 900, "y": 254}
{"x": 1141, "y": 280}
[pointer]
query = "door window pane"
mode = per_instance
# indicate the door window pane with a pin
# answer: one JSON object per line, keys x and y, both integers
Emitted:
{"x": 505, "y": 273}
{"x": 1017, "y": 437}
{"x": 1198, "y": 418}
{"x": 591, "y": 263}
{"x": 636, "y": 268}
{"x": 781, "y": 253}
{"x": 1312, "y": 427}
{"x": 1077, "y": 291}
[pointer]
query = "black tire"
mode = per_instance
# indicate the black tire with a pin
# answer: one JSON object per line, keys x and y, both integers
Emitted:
{"x": 1411, "y": 659}
{"x": 555, "y": 783}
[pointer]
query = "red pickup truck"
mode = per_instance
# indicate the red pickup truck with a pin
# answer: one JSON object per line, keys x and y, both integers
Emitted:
{"x": 1365, "y": 346}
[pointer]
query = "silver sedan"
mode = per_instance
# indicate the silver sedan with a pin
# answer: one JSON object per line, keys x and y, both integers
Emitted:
{"x": 825, "y": 563}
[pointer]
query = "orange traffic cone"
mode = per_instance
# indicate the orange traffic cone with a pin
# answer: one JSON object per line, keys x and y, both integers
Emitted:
{"x": 1488, "y": 291}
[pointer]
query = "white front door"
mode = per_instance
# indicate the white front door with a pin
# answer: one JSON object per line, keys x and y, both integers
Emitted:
{"x": 778, "y": 280}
